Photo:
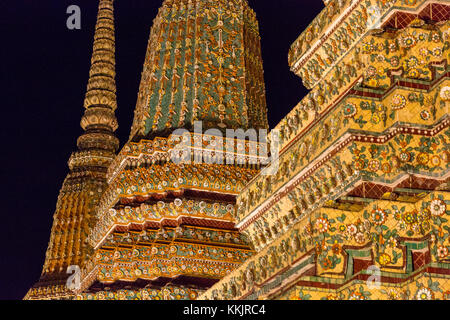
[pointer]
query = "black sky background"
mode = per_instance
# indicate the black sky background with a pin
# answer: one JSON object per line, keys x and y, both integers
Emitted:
{"x": 43, "y": 76}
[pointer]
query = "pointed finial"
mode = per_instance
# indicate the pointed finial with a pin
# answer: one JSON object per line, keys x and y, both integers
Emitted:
{"x": 99, "y": 120}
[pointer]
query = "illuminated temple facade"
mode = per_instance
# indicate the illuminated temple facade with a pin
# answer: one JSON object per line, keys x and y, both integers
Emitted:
{"x": 359, "y": 206}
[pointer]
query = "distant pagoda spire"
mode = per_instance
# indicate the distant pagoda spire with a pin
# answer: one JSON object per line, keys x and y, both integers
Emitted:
{"x": 86, "y": 181}
{"x": 99, "y": 120}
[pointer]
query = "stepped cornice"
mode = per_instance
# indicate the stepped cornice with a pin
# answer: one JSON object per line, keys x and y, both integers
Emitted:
{"x": 342, "y": 24}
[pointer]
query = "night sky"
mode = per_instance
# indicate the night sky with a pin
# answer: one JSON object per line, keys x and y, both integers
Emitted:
{"x": 43, "y": 76}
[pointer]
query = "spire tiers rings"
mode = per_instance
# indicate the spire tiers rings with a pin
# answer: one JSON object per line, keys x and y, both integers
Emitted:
{"x": 99, "y": 120}
{"x": 101, "y": 90}
{"x": 98, "y": 140}
{"x": 99, "y": 117}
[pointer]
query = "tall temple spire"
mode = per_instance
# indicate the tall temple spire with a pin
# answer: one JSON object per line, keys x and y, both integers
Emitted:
{"x": 99, "y": 120}
{"x": 86, "y": 180}
{"x": 203, "y": 64}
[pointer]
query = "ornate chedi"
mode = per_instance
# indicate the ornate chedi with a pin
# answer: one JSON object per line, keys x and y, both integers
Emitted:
{"x": 360, "y": 206}
{"x": 166, "y": 230}
{"x": 86, "y": 181}
{"x": 161, "y": 228}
